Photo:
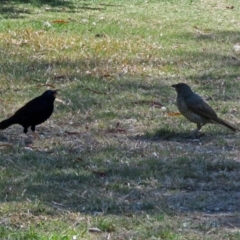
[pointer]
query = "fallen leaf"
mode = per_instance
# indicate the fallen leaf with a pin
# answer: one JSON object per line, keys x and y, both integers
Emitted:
{"x": 174, "y": 114}
{"x": 100, "y": 174}
{"x": 60, "y": 21}
{"x": 60, "y": 100}
{"x": 19, "y": 43}
{"x": 152, "y": 103}
{"x": 236, "y": 48}
{"x": 78, "y": 159}
{"x": 94, "y": 230}
{"x": 95, "y": 91}
{"x": 196, "y": 27}
{"x": 117, "y": 130}
{"x": 46, "y": 85}
{"x": 6, "y": 145}
{"x": 72, "y": 133}
{"x": 99, "y": 35}
{"x": 28, "y": 148}
{"x": 59, "y": 204}
{"x": 88, "y": 73}
{"x": 59, "y": 76}
{"x": 106, "y": 75}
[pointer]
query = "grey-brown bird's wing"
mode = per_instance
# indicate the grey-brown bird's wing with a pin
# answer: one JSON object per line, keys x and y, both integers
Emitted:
{"x": 196, "y": 104}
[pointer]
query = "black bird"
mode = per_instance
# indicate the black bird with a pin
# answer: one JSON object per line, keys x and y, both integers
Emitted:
{"x": 196, "y": 110}
{"x": 33, "y": 113}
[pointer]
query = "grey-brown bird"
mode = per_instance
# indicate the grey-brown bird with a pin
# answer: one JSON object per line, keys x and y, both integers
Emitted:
{"x": 196, "y": 110}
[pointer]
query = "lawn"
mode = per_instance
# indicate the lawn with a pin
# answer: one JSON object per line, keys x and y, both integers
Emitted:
{"x": 115, "y": 160}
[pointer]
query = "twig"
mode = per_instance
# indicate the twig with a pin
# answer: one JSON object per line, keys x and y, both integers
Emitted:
{"x": 152, "y": 103}
{"x": 95, "y": 91}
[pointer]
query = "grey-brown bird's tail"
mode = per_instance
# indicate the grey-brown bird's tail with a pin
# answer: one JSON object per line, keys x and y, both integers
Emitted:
{"x": 7, "y": 123}
{"x": 227, "y": 124}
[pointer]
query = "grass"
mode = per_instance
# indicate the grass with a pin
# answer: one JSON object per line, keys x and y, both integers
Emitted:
{"x": 113, "y": 163}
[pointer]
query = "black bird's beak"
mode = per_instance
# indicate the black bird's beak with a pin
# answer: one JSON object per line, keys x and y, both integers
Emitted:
{"x": 174, "y": 86}
{"x": 55, "y": 92}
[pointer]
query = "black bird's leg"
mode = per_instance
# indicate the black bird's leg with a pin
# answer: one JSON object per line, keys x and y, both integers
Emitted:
{"x": 34, "y": 133}
{"x": 25, "y": 130}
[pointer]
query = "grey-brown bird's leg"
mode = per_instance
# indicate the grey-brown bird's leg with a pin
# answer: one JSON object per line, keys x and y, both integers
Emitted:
{"x": 197, "y": 131}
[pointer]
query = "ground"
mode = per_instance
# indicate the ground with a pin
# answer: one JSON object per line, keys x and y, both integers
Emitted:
{"x": 115, "y": 160}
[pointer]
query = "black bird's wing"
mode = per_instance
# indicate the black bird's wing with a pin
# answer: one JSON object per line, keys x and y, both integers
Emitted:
{"x": 34, "y": 112}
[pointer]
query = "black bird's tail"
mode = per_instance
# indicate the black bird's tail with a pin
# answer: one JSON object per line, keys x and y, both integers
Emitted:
{"x": 7, "y": 123}
{"x": 226, "y": 124}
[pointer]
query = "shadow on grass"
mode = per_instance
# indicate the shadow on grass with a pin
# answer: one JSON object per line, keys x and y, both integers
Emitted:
{"x": 14, "y": 9}
{"x": 181, "y": 136}
{"x": 140, "y": 184}
{"x": 54, "y": 3}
